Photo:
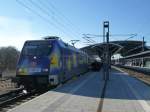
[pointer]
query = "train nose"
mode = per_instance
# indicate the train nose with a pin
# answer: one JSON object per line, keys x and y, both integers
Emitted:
{"x": 21, "y": 71}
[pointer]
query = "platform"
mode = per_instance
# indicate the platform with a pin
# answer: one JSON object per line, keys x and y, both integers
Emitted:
{"x": 122, "y": 94}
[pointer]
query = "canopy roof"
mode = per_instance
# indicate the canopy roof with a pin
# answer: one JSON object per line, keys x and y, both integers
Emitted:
{"x": 125, "y": 48}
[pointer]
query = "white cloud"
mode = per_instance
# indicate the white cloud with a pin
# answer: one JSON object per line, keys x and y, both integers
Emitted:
{"x": 14, "y": 32}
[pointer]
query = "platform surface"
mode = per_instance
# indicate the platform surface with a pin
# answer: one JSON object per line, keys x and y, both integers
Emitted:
{"x": 126, "y": 94}
{"x": 123, "y": 94}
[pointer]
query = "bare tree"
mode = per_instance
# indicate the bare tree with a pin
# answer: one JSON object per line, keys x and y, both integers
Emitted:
{"x": 8, "y": 58}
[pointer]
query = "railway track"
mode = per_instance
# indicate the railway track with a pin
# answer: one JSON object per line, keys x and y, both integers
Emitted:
{"x": 141, "y": 75}
{"x": 17, "y": 97}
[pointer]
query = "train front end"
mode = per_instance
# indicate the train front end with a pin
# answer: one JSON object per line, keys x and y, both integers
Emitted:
{"x": 34, "y": 64}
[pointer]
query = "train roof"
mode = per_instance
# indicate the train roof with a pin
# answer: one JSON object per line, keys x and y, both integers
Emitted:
{"x": 46, "y": 38}
{"x": 67, "y": 46}
{"x": 60, "y": 42}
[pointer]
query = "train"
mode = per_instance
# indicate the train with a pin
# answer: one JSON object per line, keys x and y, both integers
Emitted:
{"x": 49, "y": 62}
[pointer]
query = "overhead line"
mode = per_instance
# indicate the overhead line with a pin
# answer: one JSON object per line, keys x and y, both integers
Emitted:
{"x": 73, "y": 26}
{"x": 51, "y": 9}
{"x": 110, "y": 35}
{"x": 35, "y": 12}
{"x": 47, "y": 13}
{"x": 42, "y": 17}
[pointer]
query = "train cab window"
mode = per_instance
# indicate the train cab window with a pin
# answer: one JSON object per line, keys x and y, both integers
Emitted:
{"x": 29, "y": 50}
{"x": 43, "y": 50}
{"x": 36, "y": 50}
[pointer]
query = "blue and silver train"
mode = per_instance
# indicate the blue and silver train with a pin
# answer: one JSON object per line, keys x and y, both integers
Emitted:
{"x": 49, "y": 62}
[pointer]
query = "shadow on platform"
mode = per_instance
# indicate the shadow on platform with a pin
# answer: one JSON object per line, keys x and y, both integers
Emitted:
{"x": 117, "y": 87}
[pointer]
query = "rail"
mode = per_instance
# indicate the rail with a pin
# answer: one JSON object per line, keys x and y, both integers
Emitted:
{"x": 11, "y": 98}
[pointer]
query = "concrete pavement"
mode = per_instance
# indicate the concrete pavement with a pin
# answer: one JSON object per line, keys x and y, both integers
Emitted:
{"x": 123, "y": 94}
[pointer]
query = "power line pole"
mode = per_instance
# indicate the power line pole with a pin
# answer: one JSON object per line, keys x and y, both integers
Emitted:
{"x": 73, "y": 42}
{"x": 143, "y": 44}
{"x": 143, "y": 51}
{"x": 106, "y": 55}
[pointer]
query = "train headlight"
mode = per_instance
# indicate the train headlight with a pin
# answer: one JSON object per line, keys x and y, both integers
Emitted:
{"x": 20, "y": 70}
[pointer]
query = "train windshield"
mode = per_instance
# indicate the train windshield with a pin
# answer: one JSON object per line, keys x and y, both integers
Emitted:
{"x": 36, "y": 48}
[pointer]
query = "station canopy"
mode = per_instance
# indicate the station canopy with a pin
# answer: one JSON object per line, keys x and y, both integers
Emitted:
{"x": 125, "y": 48}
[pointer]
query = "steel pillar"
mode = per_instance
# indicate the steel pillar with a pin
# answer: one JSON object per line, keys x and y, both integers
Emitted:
{"x": 106, "y": 55}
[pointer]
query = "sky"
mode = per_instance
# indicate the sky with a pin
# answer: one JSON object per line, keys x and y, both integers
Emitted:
{"x": 22, "y": 20}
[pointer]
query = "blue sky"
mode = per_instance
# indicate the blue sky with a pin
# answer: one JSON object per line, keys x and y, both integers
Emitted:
{"x": 69, "y": 19}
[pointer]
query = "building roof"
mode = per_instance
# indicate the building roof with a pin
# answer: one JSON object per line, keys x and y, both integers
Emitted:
{"x": 143, "y": 54}
{"x": 125, "y": 48}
